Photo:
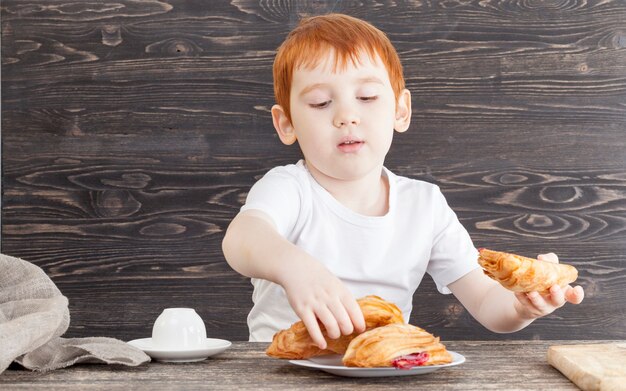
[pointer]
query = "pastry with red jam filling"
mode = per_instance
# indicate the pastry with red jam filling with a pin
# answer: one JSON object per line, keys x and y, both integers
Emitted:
{"x": 403, "y": 346}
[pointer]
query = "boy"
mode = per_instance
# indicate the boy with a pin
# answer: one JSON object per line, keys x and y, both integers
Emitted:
{"x": 338, "y": 225}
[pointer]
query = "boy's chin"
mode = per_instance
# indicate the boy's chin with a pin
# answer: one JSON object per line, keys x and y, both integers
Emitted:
{"x": 352, "y": 173}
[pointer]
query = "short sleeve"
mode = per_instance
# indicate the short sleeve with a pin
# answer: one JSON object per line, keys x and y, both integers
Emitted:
{"x": 278, "y": 195}
{"x": 453, "y": 254}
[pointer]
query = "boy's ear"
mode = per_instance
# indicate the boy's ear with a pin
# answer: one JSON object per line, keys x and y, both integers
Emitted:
{"x": 403, "y": 111}
{"x": 283, "y": 126}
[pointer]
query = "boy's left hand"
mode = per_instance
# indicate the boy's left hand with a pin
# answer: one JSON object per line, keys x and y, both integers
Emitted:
{"x": 533, "y": 305}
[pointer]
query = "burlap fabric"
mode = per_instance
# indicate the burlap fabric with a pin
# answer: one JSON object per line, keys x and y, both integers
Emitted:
{"x": 33, "y": 316}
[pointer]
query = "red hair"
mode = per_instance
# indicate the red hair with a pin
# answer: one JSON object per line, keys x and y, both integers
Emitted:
{"x": 306, "y": 45}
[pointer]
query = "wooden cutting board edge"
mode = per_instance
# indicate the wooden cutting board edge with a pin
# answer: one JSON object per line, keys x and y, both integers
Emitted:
{"x": 586, "y": 380}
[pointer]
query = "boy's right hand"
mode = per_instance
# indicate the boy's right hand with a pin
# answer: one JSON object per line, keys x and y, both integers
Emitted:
{"x": 315, "y": 293}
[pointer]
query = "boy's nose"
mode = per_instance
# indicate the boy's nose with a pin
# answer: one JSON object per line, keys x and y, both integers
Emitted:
{"x": 346, "y": 117}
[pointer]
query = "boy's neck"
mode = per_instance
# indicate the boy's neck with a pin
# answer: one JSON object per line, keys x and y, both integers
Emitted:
{"x": 368, "y": 195}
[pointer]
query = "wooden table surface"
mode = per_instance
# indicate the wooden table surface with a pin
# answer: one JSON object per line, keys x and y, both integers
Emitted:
{"x": 495, "y": 365}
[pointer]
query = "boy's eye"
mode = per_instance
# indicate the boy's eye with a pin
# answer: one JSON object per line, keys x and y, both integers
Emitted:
{"x": 320, "y": 105}
{"x": 368, "y": 98}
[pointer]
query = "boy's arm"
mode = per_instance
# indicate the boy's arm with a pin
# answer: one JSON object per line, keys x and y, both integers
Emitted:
{"x": 253, "y": 247}
{"x": 504, "y": 311}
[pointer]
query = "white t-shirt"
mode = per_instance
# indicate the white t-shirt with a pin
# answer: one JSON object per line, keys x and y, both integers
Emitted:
{"x": 385, "y": 255}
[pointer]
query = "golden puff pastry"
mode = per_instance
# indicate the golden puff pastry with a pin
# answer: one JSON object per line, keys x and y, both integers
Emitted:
{"x": 521, "y": 274}
{"x": 399, "y": 345}
{"x": 296, "y": 343}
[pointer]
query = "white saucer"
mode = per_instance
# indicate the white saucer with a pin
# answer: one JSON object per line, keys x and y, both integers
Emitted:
{"x": 211, "y": 347}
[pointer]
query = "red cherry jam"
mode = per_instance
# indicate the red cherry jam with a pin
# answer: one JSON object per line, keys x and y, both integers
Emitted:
{"x": 410, "y": 360}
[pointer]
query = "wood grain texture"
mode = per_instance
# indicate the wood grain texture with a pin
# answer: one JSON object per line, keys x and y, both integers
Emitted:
{"x": 489, "y": 365}
{"x": 133, "y": 130}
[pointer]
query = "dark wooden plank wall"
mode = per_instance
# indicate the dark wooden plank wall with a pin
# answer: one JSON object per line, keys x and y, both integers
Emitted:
{"x": 133, "y": 130}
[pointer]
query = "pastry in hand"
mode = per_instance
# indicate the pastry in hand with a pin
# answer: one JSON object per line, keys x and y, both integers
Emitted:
{"x": 296, "y": 343}
{"x": 396, "y": 345}
{"x": 521, "y": 274}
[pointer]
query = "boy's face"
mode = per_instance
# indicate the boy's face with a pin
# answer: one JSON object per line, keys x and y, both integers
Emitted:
{"x": 343, "y": 120}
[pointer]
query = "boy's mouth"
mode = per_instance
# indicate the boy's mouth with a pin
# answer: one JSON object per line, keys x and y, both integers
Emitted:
{"x": 350, "y": 145}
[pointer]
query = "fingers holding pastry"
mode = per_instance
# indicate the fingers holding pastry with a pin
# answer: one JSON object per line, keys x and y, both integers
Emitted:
{"x": 574, "y": 295}
{"x": 540, "y": 304}
{"x": 357, "y": 319}
{"x": 534, "y": 305}
{"x": 310, "y": 322}
{"x": 531, "y": 305}
{"x": 556, "y": 297}
{"x": 559, "y": 296}
{"x": 342, "y": 319}
{"x": 549, "y": 257}
{"x": 327, "y": 315}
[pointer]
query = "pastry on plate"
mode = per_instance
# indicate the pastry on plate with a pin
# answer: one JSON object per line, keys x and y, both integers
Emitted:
{"x": 521, "y": 274}
{"x": 396, "y": 345}
{"x": 296, "y": 343}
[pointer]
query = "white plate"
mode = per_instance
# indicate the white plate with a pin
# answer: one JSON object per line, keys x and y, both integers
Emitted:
{"x": 211, "y": 347}
{"x": 332, "y": 364}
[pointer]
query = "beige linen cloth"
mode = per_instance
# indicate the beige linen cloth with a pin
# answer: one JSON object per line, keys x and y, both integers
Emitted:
{"x": 33, "y": 316}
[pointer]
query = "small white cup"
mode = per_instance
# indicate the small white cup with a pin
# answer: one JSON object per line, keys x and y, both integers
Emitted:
{"x": 178, "y": 328}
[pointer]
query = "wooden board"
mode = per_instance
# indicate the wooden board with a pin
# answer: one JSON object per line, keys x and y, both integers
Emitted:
{"x": 592, "y": 366}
